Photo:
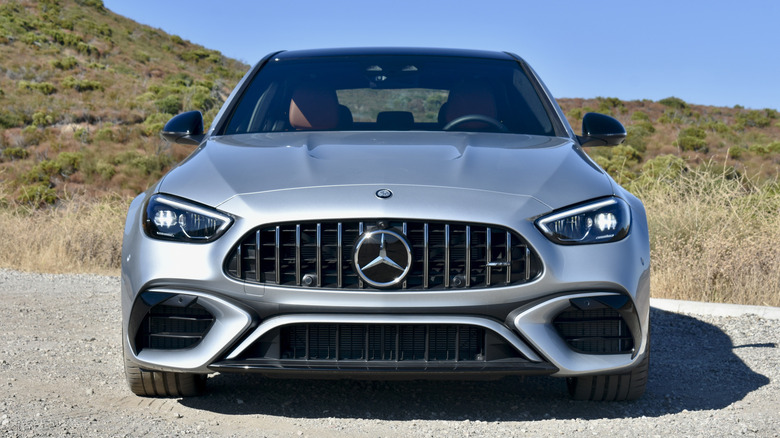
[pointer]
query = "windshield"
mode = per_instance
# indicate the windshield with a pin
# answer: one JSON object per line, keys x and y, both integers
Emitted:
{"x": 391, "y": 93}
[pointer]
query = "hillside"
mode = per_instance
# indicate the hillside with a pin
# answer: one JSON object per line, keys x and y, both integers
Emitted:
{"x": 740, "y": 141}
{"x": 84, "y": 93}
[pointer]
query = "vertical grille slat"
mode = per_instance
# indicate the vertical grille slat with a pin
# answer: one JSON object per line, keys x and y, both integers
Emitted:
{"x": 445, "y": 255}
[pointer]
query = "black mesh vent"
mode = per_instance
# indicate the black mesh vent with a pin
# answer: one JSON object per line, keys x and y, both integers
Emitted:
{"x": 173, "y": 328}
{"x": 599, "y": 331}
{"x": 444, "y": 255}
{"x": 368, "y": 342}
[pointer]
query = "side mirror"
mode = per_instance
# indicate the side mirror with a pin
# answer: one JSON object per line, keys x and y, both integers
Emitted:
{"x": 601, "y": 130}
{"x": 186, "y": 128}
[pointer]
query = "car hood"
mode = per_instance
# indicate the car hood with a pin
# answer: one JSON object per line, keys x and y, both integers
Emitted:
{"x": 552, "y": 170}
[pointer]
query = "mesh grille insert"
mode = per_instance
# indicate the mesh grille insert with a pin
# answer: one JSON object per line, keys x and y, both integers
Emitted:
{"x": 173, "y": 328}
{"x": 599, "y": 331}
{"x": 382, "y": 342}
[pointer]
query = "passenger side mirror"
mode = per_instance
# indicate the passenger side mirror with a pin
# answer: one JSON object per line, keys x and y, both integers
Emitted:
{"x": 601, "y": 130}
{"x": 186, "y": 128}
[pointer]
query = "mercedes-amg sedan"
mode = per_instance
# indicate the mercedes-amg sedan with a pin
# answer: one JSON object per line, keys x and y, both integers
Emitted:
{"x": 373, "y": 213}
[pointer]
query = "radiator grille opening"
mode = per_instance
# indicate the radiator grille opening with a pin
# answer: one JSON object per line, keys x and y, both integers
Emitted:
{"x": 173, "y": 328}
{"x": 599, "y": 331}
{"x": 444, "y": 255}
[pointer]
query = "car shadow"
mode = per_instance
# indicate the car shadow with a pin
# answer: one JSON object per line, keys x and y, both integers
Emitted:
{"x": 689, "y": 359}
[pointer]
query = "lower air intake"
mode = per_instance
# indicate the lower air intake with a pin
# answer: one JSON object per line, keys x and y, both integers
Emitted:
{"x": 599, "y": 331}
{"x": 173, "y": 328}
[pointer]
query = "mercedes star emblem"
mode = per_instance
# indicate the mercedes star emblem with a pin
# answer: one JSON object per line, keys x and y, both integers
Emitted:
{"x": 383, "y": 193}
{"x": 382, "y": 258}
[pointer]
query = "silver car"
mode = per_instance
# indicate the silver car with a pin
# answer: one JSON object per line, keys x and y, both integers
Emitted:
{"x": 369, "y": 213}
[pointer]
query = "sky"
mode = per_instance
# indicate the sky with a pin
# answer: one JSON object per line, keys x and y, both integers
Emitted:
{"x": 716, "y": 52}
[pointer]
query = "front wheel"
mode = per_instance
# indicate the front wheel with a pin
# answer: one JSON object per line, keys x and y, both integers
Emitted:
{"x": 163, "y": 384}
{"x": 614, "y": 387}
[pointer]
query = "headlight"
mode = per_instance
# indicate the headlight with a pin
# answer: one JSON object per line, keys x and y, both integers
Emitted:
{"x": 172, "y": 218}
{"x": 606, "y": 220}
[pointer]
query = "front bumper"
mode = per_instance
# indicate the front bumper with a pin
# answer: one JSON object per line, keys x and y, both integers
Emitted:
{"x": 516, "y": 325}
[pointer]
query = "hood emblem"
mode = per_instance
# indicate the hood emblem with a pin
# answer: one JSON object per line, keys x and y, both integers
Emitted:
{"x": 383, "y": 193}
{"x": 382, "y": 258}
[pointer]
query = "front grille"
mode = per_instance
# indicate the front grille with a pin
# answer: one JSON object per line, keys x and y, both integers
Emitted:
{"x": 598, "y": 331}
{"x": 444, "y": 255}
{"x": 173, "y": 328}
{"x": 418, "y": 342}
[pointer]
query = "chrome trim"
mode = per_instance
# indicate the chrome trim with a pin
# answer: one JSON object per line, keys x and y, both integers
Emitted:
{"x": 426, "y": 255}
{"x": 298, "y": 254}
{"x": 488, "y": 256}
{"x": 447, "y": 255}
{"x": 279, "y": 321}
{"x": 468, "y": 256}
{"x": 527, "y": 263}
{"x": 258, "y": 246}
{"x": 278, "y": 255}
{"x": 340, "y": 267}
{"x": 319, "y": 254}
{"x": 508, "y": 257}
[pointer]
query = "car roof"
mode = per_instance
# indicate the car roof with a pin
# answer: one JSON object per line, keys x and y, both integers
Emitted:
{"x": 418, "y": 51}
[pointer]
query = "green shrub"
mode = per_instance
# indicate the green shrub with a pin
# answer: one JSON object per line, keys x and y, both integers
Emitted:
{"x": 692, "y": 139}
{"x": 46, "y": 88}
{"x": 610, "y": 105}
{"x": 15, "y": 153}
{"x": 141, "y": 56}
{"x": 81, "y": 85}
{"x": 37, "y": 195}
{"x": 65, "y": 63}
{"x": 169, "y": 104}
{"x": 662, "y": 168}
{"x": 753, "y": 119}
{"x": 640, "y": 116}
{"x": 202, "y": 99}
{"x": 671, "y": 117}
{"x": 104, "y": 134}
{"x": 154, "y": 123}
{"x": 69, "y": 162}
{"x": 86, "y": 49}
{"x": 82, "y": 135}
{"x": 674, "y": 102}
{"x": 576, "y": 114}
{"x": 105, "y": 170}
{"x": 735, "y": 153}
{"x": 41, "y": 119}
{"x": 10, "y": 119}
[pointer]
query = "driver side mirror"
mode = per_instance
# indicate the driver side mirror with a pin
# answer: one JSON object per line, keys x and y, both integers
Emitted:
{"x": 186, "y": 128}
{"x": 601, "y": 130}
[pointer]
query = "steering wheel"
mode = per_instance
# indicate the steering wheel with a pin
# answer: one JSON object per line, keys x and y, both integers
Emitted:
{"x": 476, "y": 118}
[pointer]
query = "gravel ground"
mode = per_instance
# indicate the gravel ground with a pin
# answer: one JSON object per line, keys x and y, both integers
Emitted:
{"x": 61, "y": 374}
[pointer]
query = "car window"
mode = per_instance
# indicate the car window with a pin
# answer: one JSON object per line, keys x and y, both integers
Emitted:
{"x": 390, "y": 93}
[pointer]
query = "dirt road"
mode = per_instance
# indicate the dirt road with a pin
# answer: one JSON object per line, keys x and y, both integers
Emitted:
{"x": 61, "y": 374}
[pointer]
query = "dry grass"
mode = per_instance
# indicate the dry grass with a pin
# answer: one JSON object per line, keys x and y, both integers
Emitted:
{"x": 73, "y": 238}
{"x": 713, "y": 237}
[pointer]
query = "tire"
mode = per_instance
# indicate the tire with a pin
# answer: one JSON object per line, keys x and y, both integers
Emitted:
{"x": 614, "y": 387}
{"x": 163, "y": 384}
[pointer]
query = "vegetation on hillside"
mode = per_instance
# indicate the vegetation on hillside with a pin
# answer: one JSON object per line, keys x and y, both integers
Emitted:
{"x": 745, "y": 141}
{"x": 83, "y": 95}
